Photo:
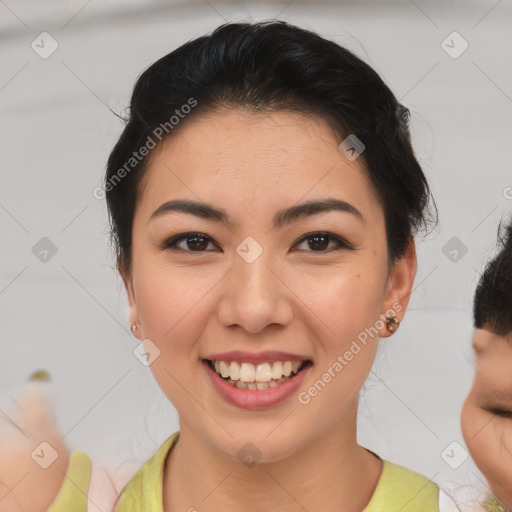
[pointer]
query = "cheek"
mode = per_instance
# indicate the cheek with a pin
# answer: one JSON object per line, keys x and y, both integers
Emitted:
{"x": 489, "y": 441}
{"x": 478, "y": 434}
{"x": 171, "y": 303}
{"x": 348, "y": 301}
{"x": 342, "y": 316}
{"x": 171, "y": 307}
{"x": 466, "y": 423}
{"x": 499, "y": 463}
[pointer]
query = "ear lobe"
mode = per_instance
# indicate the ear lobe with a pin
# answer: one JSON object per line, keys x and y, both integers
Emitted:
{"x": 399, "y": 286}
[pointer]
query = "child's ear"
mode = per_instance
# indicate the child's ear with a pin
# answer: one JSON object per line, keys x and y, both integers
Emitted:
{"x": 133, "y": 315}
{"x": 399, "y": 286}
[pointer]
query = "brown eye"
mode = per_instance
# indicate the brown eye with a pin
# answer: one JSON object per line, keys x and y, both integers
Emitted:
{"x": 319, "y": 242}
{"x": 194, "y": 242}
{"x": 198, "y": 242}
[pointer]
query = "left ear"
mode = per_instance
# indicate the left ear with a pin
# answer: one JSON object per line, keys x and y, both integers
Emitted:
{"x": 133, "y": 315}
{"x": 399, "y": 287}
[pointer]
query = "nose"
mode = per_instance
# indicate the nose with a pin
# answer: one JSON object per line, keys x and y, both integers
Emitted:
{"x": 254, "y": 296}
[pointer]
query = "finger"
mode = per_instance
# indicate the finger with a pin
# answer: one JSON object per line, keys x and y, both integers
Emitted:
{"x": 33, "y": 407}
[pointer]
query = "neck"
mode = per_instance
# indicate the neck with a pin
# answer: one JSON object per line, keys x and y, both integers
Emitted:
{"x": 332, "y": 474}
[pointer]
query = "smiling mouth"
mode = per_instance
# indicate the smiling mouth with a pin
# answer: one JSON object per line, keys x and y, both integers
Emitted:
{"x": 257, "y": 377}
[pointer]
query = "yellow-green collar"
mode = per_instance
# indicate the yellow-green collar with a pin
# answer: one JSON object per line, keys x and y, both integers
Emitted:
{"x": 398, "y": 488}
{"x": 491, "y": 504}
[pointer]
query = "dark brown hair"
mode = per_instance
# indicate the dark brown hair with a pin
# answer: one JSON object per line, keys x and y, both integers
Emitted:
{"x": 271, "y": 66}
{"x": 492, "y": 305}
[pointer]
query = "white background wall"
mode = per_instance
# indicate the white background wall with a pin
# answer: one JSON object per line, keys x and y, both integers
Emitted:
{"x": 69, "y": 315}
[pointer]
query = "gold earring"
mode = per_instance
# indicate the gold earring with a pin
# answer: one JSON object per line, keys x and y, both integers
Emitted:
{"x": 392, "y": 323}
{"x": 134, "y": 327}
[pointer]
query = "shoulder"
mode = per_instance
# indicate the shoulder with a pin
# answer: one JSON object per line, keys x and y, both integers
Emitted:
{"x": 73, "y": 493}
{"x": 400, "y": 488}
{"x": 144, "y": 490}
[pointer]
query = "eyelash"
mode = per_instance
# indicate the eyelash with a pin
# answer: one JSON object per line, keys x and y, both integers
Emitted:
{"x": 170, "y": 244}
{"x": 501, "y": 413}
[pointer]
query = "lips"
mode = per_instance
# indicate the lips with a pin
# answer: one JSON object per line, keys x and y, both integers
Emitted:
{"x": 253, "y": 399}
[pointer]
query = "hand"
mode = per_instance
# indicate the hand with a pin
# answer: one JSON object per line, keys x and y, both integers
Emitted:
{"x": 25, "y": 484}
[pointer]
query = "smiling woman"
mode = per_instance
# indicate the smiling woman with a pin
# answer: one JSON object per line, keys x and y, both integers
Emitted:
{"x": 266, "y": 243}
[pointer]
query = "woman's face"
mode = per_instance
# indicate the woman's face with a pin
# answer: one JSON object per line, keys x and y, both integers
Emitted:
{"x": 487, "y": 412}
{"x": 251, "y": 281}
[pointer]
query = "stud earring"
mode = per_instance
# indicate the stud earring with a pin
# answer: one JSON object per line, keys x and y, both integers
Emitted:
{"x": 392, "y": 323}
{"x": 134, "y": 327}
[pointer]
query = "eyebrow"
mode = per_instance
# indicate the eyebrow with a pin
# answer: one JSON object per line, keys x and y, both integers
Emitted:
{"x": 281, "y": 217}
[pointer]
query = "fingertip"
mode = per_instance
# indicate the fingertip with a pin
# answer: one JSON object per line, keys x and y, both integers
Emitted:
{"x": 42, "y": 374}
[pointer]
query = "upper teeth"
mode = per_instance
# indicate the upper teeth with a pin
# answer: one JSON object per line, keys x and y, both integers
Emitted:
{"x": 248, "y": 372}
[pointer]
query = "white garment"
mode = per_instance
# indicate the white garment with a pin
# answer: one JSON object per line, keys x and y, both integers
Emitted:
{"x": 446, "y": 503}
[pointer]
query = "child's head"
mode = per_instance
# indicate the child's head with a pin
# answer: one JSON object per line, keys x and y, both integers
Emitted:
{"x": 276, "y": 213}
{"x": 487, "y": 412}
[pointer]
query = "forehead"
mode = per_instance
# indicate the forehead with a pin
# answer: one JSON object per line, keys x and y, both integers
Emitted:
{"x": 486, "y": 343}
{"x": 493, "y": 358}
{"x": 241, "y": 157}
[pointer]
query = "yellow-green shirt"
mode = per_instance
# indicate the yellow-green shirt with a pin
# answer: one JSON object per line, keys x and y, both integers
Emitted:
{"x": 398, "y": 489}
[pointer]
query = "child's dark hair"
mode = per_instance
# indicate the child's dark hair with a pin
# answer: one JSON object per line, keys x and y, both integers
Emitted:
{"x": 273, "y": 66}
{"x": 492, "y": 306}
